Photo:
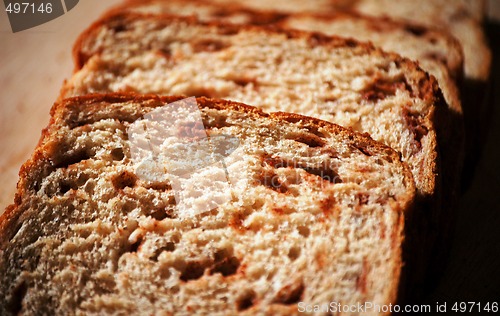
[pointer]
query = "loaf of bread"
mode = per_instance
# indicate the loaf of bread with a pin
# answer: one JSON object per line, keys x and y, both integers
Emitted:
{"x": 437, "y": 52}
{"x": 334, "y": 79}
{"x": 338, "y": 80}
{"x": 315, "y": 214}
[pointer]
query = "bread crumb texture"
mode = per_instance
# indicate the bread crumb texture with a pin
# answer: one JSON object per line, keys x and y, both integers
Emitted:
{"x": 316, "y": 215}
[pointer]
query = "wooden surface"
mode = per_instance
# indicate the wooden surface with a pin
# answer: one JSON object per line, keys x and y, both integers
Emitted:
{"x": 34, "y": 63}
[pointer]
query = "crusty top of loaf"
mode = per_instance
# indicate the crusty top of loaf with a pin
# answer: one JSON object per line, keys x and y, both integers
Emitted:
{"x": 88, "y": 235}
{"x": 331, "y": 78}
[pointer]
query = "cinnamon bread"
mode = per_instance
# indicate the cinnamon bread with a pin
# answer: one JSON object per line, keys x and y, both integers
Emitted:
{"x": 316, "y": 215}
{"x": 437, "y": 52}
{"x": 338, "y": 80}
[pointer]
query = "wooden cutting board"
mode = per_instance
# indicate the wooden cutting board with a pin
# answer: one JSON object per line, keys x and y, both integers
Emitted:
{"x": 33, "y": 66}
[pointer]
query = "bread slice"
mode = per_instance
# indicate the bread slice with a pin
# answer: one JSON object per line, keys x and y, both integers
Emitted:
{"x": 316, "y": 214}
{"x": 334, "y": 79}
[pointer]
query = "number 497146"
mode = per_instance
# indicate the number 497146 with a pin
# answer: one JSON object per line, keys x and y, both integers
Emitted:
{"x": 26, "y": 8}
{"x": 468, "y": 307}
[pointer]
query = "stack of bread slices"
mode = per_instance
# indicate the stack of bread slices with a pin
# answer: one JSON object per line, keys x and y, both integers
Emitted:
{"x": 336, "y": 131}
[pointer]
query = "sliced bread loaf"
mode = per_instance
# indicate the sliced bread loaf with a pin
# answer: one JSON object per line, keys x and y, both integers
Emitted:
{"x": 334, "y": 79}
{"x": 316, "y": 214}
{"x": 437, "y": 52}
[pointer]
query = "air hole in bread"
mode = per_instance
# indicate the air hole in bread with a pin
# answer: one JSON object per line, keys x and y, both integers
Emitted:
{"x": 364, "y": 150}
{"x": 169, "y": 247}
{"x": 294, "y": 253}
{"x": 243, "y": 81}
{"x": 310, "y": 140}
{"x": 136, "y": 245}
{"x": 416, "y": 30}
{"x": 315, "y": 39}
{"x": 304, "y": 231}
{"x": 123, "y": 180}
{"x": 193, "y": 271}
{"x": 159, "y": 186}
{"x": 271, "y": 180}
{"x": 165, "y": 52}
{"x": 127, "y": 205}
{"x": 224, "y": 263}
{"x": 237, "y": 219}
{"x": 290, "y": 294}
{"x": 65, "y": 187}
{"x": 71, "y": 158}
{"x": 119, "y": 28}
{"x": 228, "y": 30}
{"x": 160, "y": 214}
{"x": 208, "y": 45}
{"x": 246, "y": 300}
{"x": 329, "y": 99}
{"x": 363, "y": 198}
{"x": 18, "y": 294}
{"x": 82, "y": 179}
{"x": 16, "y": 230}
{"x": 218, "y": 122}
{"x": 117, "y": 154}
{"x": 325, "y": 173}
